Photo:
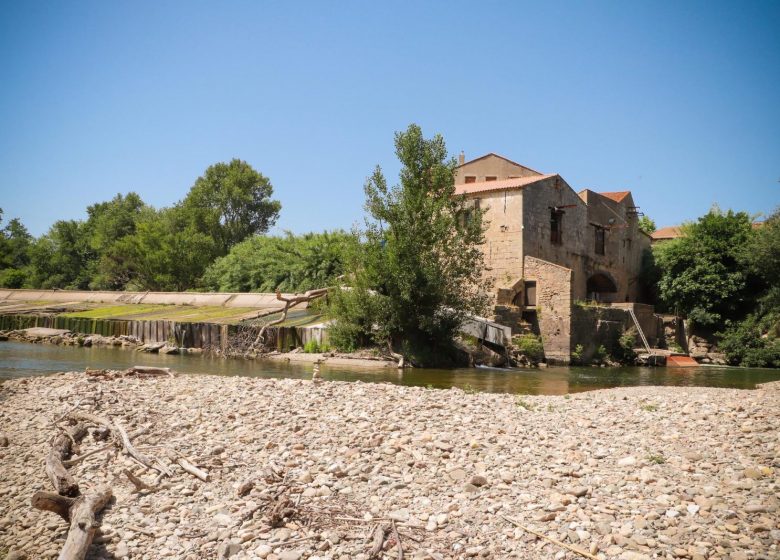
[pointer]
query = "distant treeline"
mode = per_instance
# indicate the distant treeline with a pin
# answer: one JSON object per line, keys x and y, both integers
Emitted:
{"x": 210, "y": 240}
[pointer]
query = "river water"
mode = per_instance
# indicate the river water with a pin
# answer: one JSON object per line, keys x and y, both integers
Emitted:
{"x": 23, "y": 359}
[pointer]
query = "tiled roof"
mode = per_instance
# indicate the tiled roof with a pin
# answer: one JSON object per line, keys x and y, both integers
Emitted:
{"x": 617, "y": 196}
{"x": 503, "y": 185}
{"x": 671, "y": 232}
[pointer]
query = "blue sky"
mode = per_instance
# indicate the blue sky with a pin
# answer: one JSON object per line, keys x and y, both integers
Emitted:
{"x": 677, "y": 101}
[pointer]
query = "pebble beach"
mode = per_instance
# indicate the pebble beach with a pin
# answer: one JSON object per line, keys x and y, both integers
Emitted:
{"x": 333, "y": 470}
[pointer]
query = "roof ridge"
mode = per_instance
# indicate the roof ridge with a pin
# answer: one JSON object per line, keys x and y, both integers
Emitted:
{"x": 502, "y": 157}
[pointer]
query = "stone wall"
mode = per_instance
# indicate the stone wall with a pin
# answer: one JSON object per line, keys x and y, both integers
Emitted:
{"x": 553, "y": 306}
{"x": 492, "y": 166}
{"x": 594, "y": 326}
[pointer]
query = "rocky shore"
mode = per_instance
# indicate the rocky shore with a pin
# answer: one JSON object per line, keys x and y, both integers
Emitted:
{"x": 330, "y": 470}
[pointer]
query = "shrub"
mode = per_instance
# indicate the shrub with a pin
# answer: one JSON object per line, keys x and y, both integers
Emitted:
{"x": 530, "y": 346}
{"x": 311, "y": 347}
{"x": 624, "y": 350}
{"x": 576, "y": 355}
{"x": 745, "y": 345}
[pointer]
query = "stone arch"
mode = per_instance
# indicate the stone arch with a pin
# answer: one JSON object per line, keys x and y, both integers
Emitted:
{"x": 599, "y": 285}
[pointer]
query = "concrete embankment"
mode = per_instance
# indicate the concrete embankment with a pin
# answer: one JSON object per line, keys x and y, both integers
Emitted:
{"x": 631, "y": 474}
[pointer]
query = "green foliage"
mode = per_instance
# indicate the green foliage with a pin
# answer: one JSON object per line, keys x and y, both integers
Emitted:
{"x": 577, "y": 354}
{"x": 530, "y": 346}
{"x": 703, "y": 275}
{"x": 415, "y": 270}
{"x": 752, "y": 342}
{"x": 624, "y": 350}
{"x": 656, "y": 459}
{"x": 524, "y": 404}
{"x": 166, "y": 253}
{"x": 311, "y": 347}
{"x": 230, "y": 202}
{"x": 600, "y": 354}
{"x": 646, "y": 225}
{"x": 649, "y": 407}
{"x": 15, "y": 243}
{"x": 289, "y": 263}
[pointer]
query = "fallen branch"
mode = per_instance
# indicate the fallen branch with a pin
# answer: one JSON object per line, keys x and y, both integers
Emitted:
{"x": 192, "y": 469}
{"x": 400, "y": 548}
{"x": 61, "y": 448}
{"x": 81, "y": 514}
{"x": 378, "y": 540}
{"x": 289, "y": 303}
{"x": 571, "y": 548}
{"x": 128, "y": 446}
{"x": 149, "y": 370}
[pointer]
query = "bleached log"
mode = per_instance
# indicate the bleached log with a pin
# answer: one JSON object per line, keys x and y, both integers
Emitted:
{"x": 61, "y": 448}
{"x": 192, "y": 469}
{"x": 126, "y": 443}
{"x": 83, "y": 524}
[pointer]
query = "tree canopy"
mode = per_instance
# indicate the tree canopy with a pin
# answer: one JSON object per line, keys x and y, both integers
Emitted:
{"x": 230, "y": 202}
{"x": 289, "y": 263}
{"x": 703, "y": 273}
{"x": 415, "y": 268}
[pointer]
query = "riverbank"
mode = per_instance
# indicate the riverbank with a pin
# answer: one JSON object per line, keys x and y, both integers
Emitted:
{"x": 623, "y": 473}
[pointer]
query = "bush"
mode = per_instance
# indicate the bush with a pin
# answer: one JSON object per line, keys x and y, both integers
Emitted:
{"x": 745, "y": 345}
{"x": 624, "y": 351}
{"x": 311, "y": 347}
{"x": 530, "y": 346}
{"x": 12, "y": 278}
{"x": 576, "y": 355}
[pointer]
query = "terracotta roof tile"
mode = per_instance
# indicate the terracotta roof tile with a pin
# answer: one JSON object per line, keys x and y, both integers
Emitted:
{"x": 503, "y": 185}
{"x": 670, "y": 232}
{"x": 617, "y": 196}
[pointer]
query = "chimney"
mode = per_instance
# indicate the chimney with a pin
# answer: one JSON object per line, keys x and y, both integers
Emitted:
{"x": 461, "y": 158}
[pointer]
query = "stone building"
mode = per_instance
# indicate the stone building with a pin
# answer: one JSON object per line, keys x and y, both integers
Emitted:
{"x": 548, "y": 247}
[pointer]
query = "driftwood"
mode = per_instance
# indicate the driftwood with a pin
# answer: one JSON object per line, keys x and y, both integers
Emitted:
{"x": 399, "y": 547}
{"x": 377, "y": 541}
{"x": 126, "y": 443}
{"x": 289, "y": 303}
{"x": 82, "y": 523}
{"x": 135, "y": 370}
{"x": 61, "y": 449}
{"x": 80, "y": 512}
{"x": 192, "y": 469}
{"x": 574, "y": 549}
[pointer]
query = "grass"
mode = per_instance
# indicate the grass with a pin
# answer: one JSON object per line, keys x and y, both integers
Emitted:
{"x": 656, "y": 459}
{"x": 469, "y": 389}
{"x": 648, "y": 407}
{"x": 522, "y": 403}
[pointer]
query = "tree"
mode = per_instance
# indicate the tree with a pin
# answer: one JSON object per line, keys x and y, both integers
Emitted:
{"x": 62, "y": 257}
{"x": 415, "y": 271}
{"x": 703, "y": 273}
{"x": 646, "y": 225}
{"x": 15, "y": 243}
{"x": 165, "y": 253}
{"x": 290, "y": 263}
{"x": 230, "y": 202}
{"x": 108, "y": 223}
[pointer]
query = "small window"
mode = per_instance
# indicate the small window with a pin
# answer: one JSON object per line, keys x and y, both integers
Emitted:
{"x": 471, "y": 179}
{"x": 468, "y": 214}
{"x": 600, "y": 237}
{"x": 530, "y": 294}
{"x": 493, "y": 178}
{"x": 556, "y": 233}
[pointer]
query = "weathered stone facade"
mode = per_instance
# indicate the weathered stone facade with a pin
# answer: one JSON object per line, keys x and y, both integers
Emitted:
{"x": 547, "y": 246}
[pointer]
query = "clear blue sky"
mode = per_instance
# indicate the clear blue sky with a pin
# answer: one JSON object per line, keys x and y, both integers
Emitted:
{"x": 677, "y": 101}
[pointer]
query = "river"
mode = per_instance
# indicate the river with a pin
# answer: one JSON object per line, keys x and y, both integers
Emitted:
{"x": 22, "y": 359}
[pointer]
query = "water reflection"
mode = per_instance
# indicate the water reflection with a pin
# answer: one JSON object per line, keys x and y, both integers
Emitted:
{"x": 20, "y": 360}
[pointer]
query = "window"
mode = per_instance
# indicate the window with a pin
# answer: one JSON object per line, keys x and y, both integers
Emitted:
{"x": 556, "y": 217}
{"x": 600, "y": 237}
{"x": 471, "y": 179}
{"x": 530, "y": 294}
{"x": 493, "y": 178}
{"x": 468, "y": 214}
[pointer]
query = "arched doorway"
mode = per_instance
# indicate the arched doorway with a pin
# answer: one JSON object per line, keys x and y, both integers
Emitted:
{"x": 600, "y": 286}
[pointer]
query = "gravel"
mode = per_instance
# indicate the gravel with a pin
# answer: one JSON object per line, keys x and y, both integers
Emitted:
{"x": 635, "y": 473}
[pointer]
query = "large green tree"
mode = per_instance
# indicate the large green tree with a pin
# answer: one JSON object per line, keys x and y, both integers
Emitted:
{"x": 415, "y": 269}
{"x": 289, "y": 263}
{"x": 166, "y": 252}
{"x": 703, "y": 274}
{"x": 15, "y": 244}
{"x": 230, "y": 202}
